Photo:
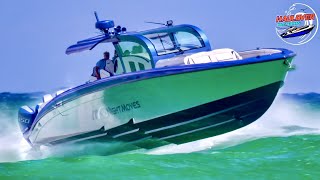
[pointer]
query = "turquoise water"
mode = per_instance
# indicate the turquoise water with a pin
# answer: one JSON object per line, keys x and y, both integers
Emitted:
{"x": 283, "y": 144}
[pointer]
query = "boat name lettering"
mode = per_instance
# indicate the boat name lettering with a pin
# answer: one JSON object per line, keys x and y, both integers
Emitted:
{"x": 124, "y": 107}
{"x": 104, "y": 112}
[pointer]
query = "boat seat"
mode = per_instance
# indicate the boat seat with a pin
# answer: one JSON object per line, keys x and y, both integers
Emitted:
{"x": 224, "y": 54}
{"x": 217, "y": 55}
{"x": 104, "y": 73}
{"x": 174, "y": 61}
{"x": 198, "y": 58}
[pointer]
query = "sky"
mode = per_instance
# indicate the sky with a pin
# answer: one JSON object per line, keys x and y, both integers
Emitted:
{"x": 36, "y": 33}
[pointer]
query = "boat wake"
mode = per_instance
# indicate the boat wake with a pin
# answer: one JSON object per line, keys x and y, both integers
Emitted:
{"x": 289, "y": 115}
{"x": 13, "y": 146}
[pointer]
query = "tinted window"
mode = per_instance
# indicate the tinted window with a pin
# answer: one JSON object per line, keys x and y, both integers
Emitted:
{"x": 175, "y": 41}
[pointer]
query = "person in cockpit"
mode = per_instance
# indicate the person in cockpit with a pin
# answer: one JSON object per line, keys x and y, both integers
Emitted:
{"x": 104, "y": 68}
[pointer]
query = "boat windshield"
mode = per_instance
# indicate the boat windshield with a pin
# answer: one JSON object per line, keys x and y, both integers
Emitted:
{"x": 176, "y": 41}
{"x": 134, "y": 57}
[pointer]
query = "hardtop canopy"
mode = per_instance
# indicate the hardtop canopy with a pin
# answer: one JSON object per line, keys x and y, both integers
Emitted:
{"x": 159, "y": 43}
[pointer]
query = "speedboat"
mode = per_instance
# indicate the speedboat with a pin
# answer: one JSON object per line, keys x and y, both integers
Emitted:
{"x": 297, "y": 31}
{"x": 170, "y": 87}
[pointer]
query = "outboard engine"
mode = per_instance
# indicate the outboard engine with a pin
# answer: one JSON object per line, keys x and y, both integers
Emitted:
{"x": 26, "y": 117}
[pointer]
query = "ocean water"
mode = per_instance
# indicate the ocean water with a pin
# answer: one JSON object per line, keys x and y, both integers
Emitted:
{"x": 283, "y": 144}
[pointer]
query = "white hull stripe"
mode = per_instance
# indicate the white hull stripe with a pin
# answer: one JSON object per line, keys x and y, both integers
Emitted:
{"x": 86, "y": 138}
{"x": 203, "y": 128}
{"x": 198, "y": 119}
{"x": 126, "y": 133}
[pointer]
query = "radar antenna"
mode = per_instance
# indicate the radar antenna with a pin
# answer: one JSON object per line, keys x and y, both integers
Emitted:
{"x": 149, "y": 22}
{"x": 96, "y": 15}
{"x": 103, "y": 26}
{"x": 168, "y": 23}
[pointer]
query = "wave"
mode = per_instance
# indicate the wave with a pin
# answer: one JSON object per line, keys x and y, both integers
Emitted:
{"x": 290, "y": 114}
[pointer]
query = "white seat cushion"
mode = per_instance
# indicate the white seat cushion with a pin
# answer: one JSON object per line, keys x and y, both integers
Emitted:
{"x": 104, "y": 73}
{"x": 109, "y": 67}
{"x": 198, "y": 58}
{"x": 225, "y": 54}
